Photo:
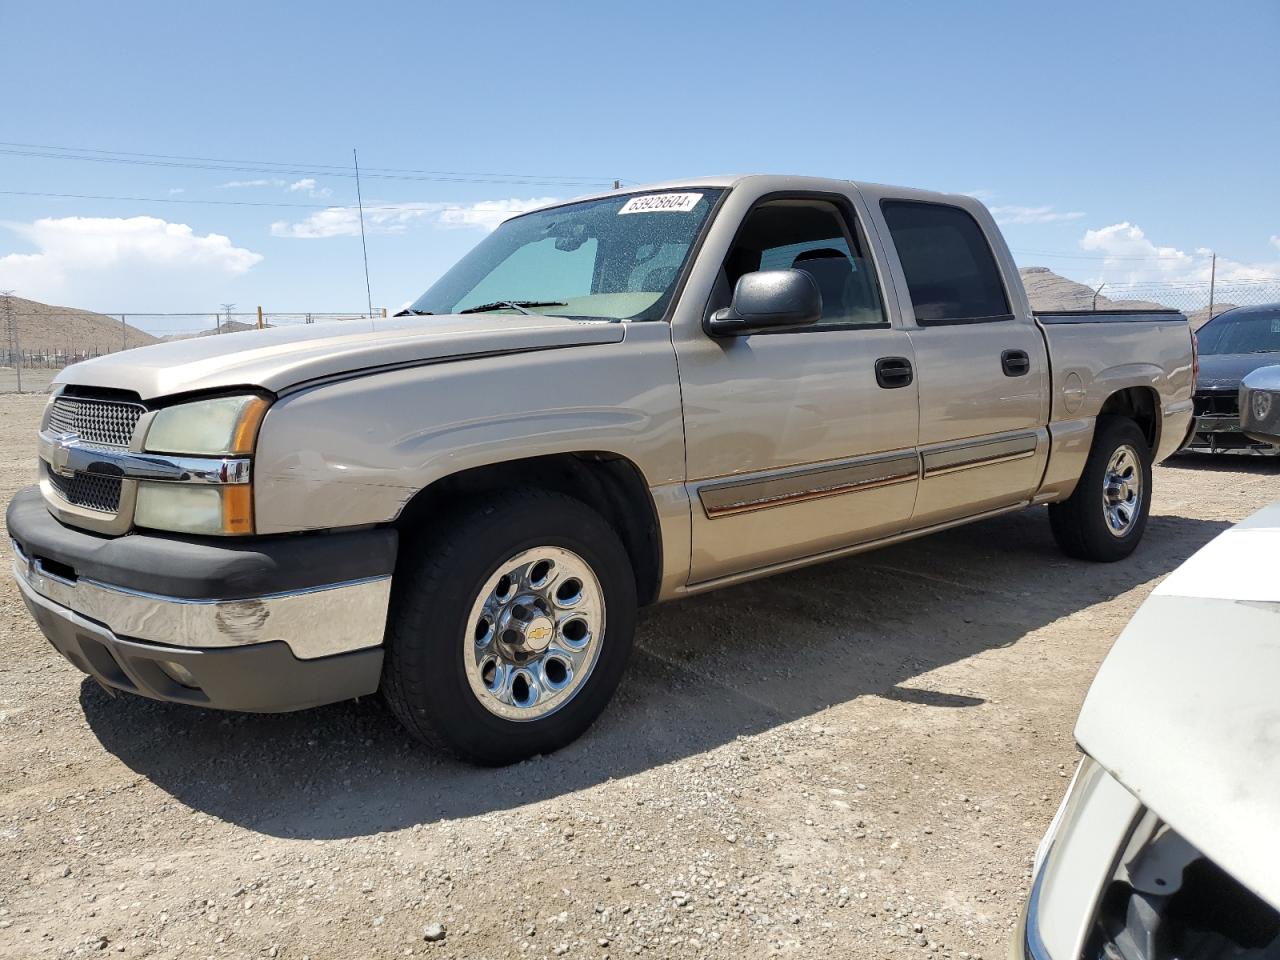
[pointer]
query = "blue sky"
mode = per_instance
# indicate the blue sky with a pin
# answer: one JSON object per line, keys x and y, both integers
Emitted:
{"x": 1101, "y": 133}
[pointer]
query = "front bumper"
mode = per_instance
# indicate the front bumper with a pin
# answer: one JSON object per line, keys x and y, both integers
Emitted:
{"x": 262, "y": 624}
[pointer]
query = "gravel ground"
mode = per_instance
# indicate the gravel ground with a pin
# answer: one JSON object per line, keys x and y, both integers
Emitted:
{"x": 853, "y": 760}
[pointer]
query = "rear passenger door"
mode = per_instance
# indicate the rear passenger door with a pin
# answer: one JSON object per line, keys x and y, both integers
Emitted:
{"x": 981, "y": 360}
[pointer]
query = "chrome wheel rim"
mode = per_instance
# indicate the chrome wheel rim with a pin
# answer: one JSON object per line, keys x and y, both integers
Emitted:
{"x": 1122, "y": 490}
{"x": 534, "y": 633}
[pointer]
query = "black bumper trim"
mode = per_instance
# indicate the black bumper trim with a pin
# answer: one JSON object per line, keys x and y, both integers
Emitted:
{"x": 201, "y": 568}
{"x": 259, "y": 678}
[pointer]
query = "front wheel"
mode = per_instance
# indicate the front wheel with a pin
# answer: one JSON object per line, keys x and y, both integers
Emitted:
{"x": 1105, "y": 517}
{"x": 511, "y": 628}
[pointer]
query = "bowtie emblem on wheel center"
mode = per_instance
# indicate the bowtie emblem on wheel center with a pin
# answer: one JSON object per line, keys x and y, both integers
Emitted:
{"x": 525, "y": 630}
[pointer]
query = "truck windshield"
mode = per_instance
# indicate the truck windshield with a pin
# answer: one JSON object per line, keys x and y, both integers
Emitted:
{"x": 616, "y": 258}
{"x": 1251, "y": 332}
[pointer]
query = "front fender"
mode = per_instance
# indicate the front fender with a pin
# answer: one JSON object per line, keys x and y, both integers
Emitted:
{"x": 354, "y": 452}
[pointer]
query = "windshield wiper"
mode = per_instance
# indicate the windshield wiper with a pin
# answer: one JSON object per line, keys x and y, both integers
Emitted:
{"x": 410, "y": 312}
{"x": 514, "y": 305}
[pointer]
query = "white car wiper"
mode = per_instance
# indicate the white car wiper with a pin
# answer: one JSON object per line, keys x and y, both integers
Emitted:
{"x": 514, "y": 305}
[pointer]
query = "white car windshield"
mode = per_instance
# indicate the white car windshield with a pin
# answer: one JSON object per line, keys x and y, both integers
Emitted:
{"x": 616, "y": 258}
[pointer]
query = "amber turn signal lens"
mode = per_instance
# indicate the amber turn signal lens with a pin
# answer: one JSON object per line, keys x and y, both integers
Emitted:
{"x": 246, "y": 431}
{"x": 237, "y": 509}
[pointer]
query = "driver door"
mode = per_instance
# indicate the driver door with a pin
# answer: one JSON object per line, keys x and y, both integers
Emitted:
{"x": 800, "y": 441}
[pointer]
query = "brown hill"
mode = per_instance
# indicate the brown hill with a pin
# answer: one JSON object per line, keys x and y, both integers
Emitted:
{"x": 1048, "y": 291}
{"x": 224, "y": 326}
{"x": 43, "y": 327}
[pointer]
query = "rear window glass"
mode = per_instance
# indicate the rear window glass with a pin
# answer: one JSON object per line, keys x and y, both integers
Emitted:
{"x": 951, "y": 273}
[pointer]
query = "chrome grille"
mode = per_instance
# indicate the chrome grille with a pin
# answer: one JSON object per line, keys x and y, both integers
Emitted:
{"x": 89, "y": 490}
{"x": 108, "y": 422}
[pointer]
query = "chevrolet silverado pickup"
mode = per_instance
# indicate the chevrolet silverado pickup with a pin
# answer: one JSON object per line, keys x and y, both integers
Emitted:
{"x": 609, "y": 402}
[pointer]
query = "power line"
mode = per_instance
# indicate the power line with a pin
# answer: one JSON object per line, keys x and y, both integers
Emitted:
{"x": 278, "y": 163}
{"x": 302, "y": 169}
{"x": 1085, "y": 256}
{"x": 406, "y": 205}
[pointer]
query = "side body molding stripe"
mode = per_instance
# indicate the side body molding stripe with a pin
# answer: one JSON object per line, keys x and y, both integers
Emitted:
{"x": 727, "y": 497}
{"x": 979, "y": 453}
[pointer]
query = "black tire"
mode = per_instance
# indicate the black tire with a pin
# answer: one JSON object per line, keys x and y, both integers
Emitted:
{"x": 424, "y": 677}
{"x": 1080, "y": 523}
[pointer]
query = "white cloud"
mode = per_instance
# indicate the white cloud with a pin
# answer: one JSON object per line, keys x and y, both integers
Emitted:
{"x": 82, "y": 259}
{"x": 1130, "y": 257}
{"x": 237, "y": 184}
{"x": 396, "y": 217}
{"x": 1012, "y": 214}
{"x": 309, "y": 186}
{"x": 176, "y": 190}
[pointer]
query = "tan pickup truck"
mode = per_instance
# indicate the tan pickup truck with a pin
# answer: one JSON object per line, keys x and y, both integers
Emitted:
{"x": 609, "y": 402}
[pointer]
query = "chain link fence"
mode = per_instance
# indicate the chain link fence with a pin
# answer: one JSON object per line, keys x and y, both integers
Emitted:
{"x": 53, "y": 338}
{"x": 1195, "y": 299}
{"x": 40, "y": 340}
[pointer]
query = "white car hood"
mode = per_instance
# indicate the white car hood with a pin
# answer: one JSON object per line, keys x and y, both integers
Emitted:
{"x": 1185, "y": 711}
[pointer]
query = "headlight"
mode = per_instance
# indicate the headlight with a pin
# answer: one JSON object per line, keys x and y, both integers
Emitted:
{"x": 210, "y": 437}
{"x": 220, "y": 427}
{"x": 1080, "y": 851}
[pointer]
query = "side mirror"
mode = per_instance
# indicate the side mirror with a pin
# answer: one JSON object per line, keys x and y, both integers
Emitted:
{"x": 768, "y": 299}
{"x": 1260, "y": 405}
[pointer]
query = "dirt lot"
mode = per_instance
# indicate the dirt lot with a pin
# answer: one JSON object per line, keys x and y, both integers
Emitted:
{"x": 853, "y": 760}
{"x": 34, "y": 380}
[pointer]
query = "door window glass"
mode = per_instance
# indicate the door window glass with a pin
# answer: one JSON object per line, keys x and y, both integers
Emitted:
{"x": 809, "y": 235}
{"x": 951, "y": 273}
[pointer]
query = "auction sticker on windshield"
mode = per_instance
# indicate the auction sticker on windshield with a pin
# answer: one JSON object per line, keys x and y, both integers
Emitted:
{"x": 661, "y": 203}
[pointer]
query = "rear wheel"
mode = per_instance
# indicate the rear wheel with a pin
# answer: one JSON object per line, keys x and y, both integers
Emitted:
{"x": 511, "y": 628}
{"x": 1105, "y": 517}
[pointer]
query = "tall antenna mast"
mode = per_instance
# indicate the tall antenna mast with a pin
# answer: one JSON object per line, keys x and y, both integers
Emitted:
{"x": 363, "y": 246}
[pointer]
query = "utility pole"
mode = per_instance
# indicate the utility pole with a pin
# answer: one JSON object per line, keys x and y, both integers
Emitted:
{"x": 368, "y": 290}
{"x": 124, "y": 333}
{"x": 15, "y": 345}
{"x": 227, "y": 308}
{"x": 1213, "y": 276}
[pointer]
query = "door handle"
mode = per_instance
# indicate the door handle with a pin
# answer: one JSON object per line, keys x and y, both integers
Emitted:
{"x": 1015, "y": 363}
{"x": 894, "y": 372}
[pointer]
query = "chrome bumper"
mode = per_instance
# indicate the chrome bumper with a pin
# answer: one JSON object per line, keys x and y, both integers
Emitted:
{"x": 313, "y": 622}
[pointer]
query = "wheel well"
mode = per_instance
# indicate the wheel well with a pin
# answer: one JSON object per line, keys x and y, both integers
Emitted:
{"x": 610, "y": 484}
{"x": 1139, "y": 404}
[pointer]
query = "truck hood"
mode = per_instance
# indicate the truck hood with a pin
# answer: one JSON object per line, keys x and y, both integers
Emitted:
{"x": 1224, "y": 371}
{"x": 282, "y": 357}
{"x": 1185, "y": 711}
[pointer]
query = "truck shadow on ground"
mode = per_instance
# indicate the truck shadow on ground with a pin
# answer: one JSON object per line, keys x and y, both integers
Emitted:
{"x": 706, "y": 670}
